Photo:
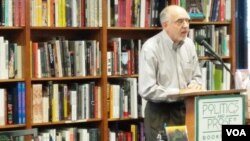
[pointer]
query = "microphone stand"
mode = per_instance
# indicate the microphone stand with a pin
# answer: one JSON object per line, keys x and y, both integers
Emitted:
{"x": 215, "y": 56}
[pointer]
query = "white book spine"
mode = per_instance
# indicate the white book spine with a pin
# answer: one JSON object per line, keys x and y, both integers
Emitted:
{"x": 109, "y": 63}
{"x": 45, "y": 109}
{"x": 133, "y": 92}
{"x": 142, "y": 13}
{"x": 82, "y": 56}
{"x": 73, "y": 105}
{"x": 2, "y": 57}
{"x": 19, "y": 62}
{"x": 2, "y": 107}
{"x": 87, "y": 101}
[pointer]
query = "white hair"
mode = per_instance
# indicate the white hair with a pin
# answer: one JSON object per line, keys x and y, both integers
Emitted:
{"x": 166, "y": 13}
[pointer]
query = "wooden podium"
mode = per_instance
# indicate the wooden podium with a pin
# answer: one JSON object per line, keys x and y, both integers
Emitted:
{"x": 190, "y": 106}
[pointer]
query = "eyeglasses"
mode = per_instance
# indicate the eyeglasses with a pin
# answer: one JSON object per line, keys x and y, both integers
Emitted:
{"x": 180, "y": 22}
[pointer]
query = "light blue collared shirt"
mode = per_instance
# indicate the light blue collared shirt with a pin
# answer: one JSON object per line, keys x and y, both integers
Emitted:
{"x": 164, "y": 69}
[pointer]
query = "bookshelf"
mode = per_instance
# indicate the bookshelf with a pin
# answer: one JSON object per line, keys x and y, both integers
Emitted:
{"x": 28, "y": 33}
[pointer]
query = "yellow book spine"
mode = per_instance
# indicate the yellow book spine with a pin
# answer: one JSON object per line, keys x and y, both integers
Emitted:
{"x": 53, "y": 109}
{"x": 133, "y": 129}
{"x": 48, "y": 13}
{"x": 63, "y": 9}
{"x": 111, "y": 101}
{"x": 65, "y": 104}
{"x": 59, "y": 11}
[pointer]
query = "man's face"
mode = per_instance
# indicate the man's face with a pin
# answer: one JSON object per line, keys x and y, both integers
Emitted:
{"x": 178, "y": 25}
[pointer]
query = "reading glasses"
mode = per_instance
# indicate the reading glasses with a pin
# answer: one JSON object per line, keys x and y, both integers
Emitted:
{"x": 180, "y": 22}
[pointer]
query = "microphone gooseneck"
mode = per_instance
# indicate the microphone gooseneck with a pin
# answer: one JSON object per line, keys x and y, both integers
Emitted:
{"x": 201, "y": 41}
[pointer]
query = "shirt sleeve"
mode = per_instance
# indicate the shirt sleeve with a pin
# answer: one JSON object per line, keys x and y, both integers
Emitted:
{"x": 196, "y": 75}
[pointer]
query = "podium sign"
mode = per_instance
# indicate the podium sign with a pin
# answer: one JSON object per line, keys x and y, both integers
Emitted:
{"x": 211, "y": 112}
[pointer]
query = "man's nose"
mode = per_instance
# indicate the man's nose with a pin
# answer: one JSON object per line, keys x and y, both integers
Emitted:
{"x": 186, "y": 23}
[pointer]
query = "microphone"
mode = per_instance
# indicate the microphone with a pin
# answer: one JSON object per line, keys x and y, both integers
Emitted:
{"x": 201, "y": 41}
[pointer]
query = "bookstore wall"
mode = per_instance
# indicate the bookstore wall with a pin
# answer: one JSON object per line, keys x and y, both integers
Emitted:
{"x": 70, "y": 67}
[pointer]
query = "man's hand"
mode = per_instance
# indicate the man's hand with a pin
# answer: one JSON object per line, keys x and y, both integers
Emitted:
{"x": 192, "y": 88}
{"x": 187, "y": 90}
{"x": 195, "y": 86}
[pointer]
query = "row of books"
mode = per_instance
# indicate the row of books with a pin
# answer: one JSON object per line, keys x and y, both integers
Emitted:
{"x": 12, "y": 104}
{"x": 123, "y": 56}
{"x": 62, "y": 58}
{"x": 213, "y": 10}
{"x": 134, "y": 13}
{"x": 11, "y": 58}
{"x": 217, "y": 37}
{"x": 217, "y": 10}
{"x": 123, "y": 99}
{"x": 70, "y": 134}
{"x": 66, "y": 13}
{"x": 135, "y": 132}
{"x": 75, "y": 101}
{"x": 12, "y": 13}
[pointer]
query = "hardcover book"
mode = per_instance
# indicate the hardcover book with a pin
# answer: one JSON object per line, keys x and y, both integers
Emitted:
{"x": 176, "y": 133}
{"x": 195, "y": 10}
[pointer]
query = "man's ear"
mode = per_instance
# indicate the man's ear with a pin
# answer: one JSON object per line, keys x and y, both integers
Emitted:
{"x": 164, "y": 24}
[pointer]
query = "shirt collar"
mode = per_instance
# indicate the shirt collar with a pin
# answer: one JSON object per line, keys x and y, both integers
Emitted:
{"x": 170, "y": 42}
{"x": 175, "y": 46}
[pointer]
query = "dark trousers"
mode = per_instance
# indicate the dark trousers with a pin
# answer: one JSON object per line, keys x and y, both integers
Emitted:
{"x": 158, "y": 114}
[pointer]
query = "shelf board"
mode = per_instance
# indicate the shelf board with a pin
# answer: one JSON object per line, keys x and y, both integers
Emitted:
{"x": 124, "y": 76}
{"x": 66, "y": 78}
{"x": 212, "y": 58}
{"x": 64, "y": 28}
{"x": 160, "y": 28}
{"x": 67, "y": 122}
{"x": 12, "y": 126}
{"x": 124, "y": 119}
{"x": 209, "y": 23}
{"x": 11, "y": 28}
{"x": 135, "y": 28}
{"x": 11, "y": 80}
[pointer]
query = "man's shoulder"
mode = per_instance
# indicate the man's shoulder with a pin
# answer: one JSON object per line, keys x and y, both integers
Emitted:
{"x": 153, "y": 39}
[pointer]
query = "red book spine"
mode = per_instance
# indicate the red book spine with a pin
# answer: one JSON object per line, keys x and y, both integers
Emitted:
{"x": 22, "y": 12}
{"x": 83, "y": 13}
{"x": 128, "y": 21}
{"x": 147, "y": 13}
{"x": 52, "y": 13}
{"x": 10, "y": 103}
{"x": 222, "y": 11}
{"x": 16, "y": 13}
{"x": 35, "y": 59}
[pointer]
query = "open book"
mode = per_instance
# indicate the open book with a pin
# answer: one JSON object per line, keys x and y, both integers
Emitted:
{"x": 176, "y": 133}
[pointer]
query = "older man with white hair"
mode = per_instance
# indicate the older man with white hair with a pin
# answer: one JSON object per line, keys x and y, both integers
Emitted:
{"x": 168, "y": 65}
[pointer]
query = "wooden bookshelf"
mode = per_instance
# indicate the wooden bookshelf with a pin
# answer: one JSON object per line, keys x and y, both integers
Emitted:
{"x": 25, "y": 34}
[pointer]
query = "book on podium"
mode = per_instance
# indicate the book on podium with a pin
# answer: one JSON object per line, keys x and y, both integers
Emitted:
{"x": 176, "y": 133}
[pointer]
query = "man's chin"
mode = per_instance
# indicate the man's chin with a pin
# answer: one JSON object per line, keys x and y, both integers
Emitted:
{"x": 182, "y": 38}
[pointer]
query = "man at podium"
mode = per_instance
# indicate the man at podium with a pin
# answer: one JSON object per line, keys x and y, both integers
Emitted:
{"x": 168, "y": 65}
